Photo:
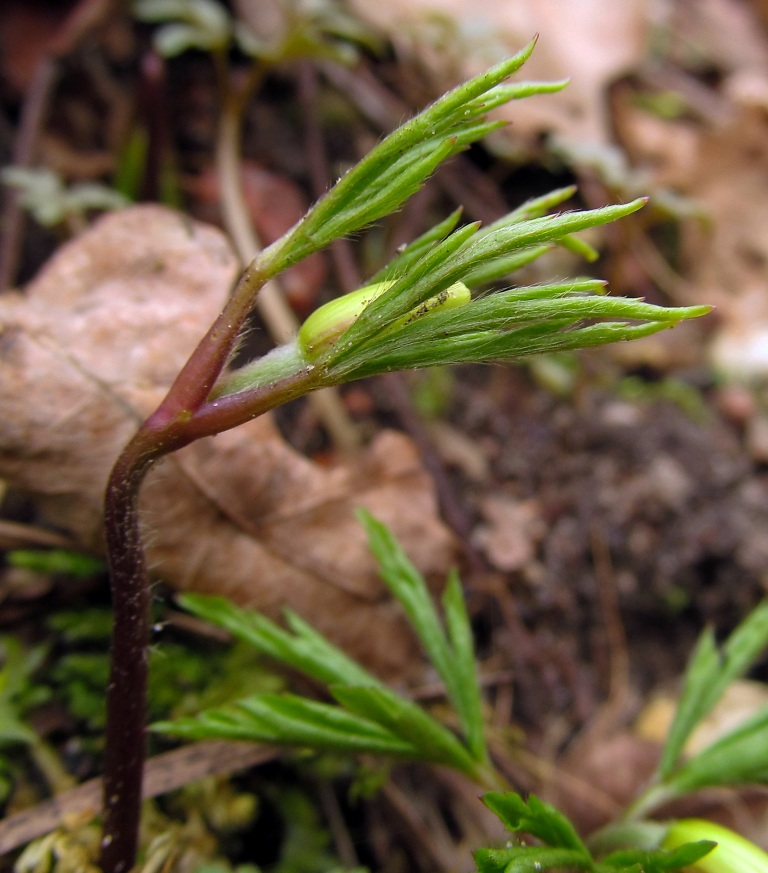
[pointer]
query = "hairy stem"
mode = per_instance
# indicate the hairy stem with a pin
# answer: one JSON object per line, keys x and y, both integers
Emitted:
{"x": 195, "y": 382}
{"x": 127, "y": 691}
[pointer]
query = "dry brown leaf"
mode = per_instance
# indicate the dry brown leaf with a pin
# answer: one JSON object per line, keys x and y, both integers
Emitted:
{"x": 91, "y": 349}
{"x": 717, "y": 157}
{"x": 600, "y": 775}
{"x": 590, "y": 42}
{"x": 721, "y": 34}
{"x": 511, "y": 531}
{"x": 728, "y": 255}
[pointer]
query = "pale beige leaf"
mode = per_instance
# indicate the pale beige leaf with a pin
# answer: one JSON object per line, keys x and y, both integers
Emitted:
{"x": 511, "y": 531}
{"x": 591, "y": 42}
{"x": 727, "y": 256}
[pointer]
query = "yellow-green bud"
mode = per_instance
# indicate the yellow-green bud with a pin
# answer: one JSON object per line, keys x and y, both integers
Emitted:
{"x": 326, "y": 324}
{"x": 732, "y": 854}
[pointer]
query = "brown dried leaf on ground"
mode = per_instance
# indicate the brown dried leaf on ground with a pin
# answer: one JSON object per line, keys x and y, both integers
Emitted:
{"x": 511, "y": 531}
{"x": 728, "y": 257}
{"x": 714, "y": 153}
{"x": 591, "y": 42}
{"x": 91, "y": 349}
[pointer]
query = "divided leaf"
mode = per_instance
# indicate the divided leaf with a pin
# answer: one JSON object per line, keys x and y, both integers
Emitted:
{"x": 563, "y": 849}
{"x": 287, "y": 719}
{"x": 452, "y": 653}
{"x": 709, "y": 673}
{"x": 370, "y": 717}
{"x": 398, "y": 166}
{"x": 660, "y": 861}
{"x": 304, "y": 650}
{"x": 740, "y": 757}
{"x": 536, "y": 818}
{"x": 410, "y": 723}
{"x": 530, "y": 859}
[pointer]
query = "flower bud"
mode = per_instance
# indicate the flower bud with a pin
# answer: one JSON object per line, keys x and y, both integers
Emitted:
{"x": 326, "y": 324}
{"x": 732, "y": 854}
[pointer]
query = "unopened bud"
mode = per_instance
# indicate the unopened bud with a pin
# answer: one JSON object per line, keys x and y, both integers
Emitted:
{"x": 326, "y": 324}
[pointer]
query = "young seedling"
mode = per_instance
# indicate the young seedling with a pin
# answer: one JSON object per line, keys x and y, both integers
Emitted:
{"x": 45, "y": 195}
{"x": 411, "y": 323}
{"x": 368, "y": 717}
{"x": 740, "y": 757}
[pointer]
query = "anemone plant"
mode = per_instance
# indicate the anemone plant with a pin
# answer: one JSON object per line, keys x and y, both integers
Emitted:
{"x": 429, "y": 306}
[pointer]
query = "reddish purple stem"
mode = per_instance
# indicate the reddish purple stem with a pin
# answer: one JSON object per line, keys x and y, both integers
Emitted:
{"x": 184, "y": 416}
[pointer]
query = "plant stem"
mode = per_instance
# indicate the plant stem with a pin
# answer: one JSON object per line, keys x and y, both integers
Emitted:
{"x": 652, "y": 798}
{"x": 127, "y": 691}
{"x": 619, "y": 835}
{"x": 195, "y": 382}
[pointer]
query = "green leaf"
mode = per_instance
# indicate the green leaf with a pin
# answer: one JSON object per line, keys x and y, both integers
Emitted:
{"x": 415, "y": 250}
{"x": 44, "y": 194}
{"x": 188, "y": 24}
{"x": 530, "y": 859}
{"x": 537, "y": 206}
{"x": 13, "y": 730}
{"x": 659, "y": 861}
{"x": 708, "y": 675}
{"x": 504, "y": 265}
{"x": 731, "y": 853}
{"x": 564, "y": 849}
{"x": 466, "y": 695}
{"x": 398, "y": 166}
{"x": 409, "y": 722}
{"x": 456, "y": 336}
{"x": 502, "y": 326}
{"x": 287, "y": 719}
{"x": 447, "y": 264}
{"x": 378, "y": 719}
{"x": 408, "y": 586}
{"x": 18, "y": 692}
{"x": 60, "y": 561}
{"x": 452, "y": 654}
{"x": 536, "y": 818}
{"x": 740, "y": 757}
{"x": 305, "y": 649}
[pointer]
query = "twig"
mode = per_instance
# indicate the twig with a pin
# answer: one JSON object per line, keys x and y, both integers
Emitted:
{"x": 440, "y": 852}
{"x": 13, "y": 217}
{"x": 618, "y": 658}
{"x": 181, "y": 418}
{"x": 453, "y": 511}
{"x": 342, "y": 840}
{"x": 15, "y": 535}
{"x": 270, "y": 304}
{"x": 85, "y": 16}
{"x": 164, "y": 773}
